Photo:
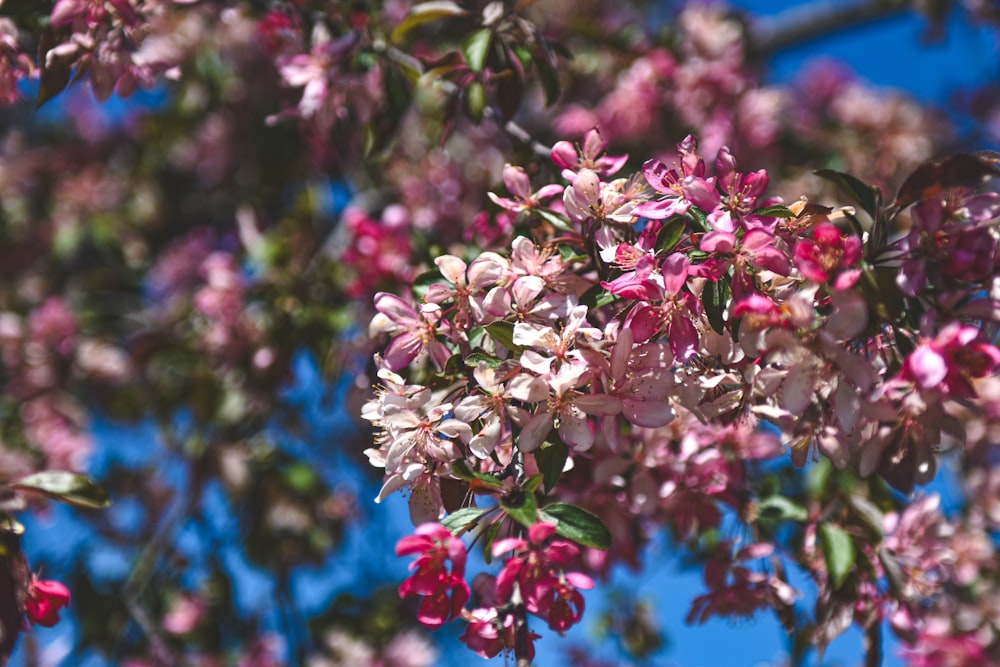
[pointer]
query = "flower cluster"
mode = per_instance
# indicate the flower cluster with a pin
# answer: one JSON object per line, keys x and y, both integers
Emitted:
{"x": 657, "y": 335}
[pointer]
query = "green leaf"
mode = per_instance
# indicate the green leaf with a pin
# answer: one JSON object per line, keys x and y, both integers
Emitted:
{"x": 53, "y": 79}
{"x": 502, "y": 332}
{"x": 67, "y": 487}
{"x": 577, "y": 524}
{"x": 699, "y": 217}
{"x": 521, "y": 506}
{"x": 463, "y": 520}
{"x": 462, "y": 470}
{"x": 775, "y": 212}
{"x": 476, "y": 358}
{"x": 715, "y": 298}
{"x": 838, "y": 552}
{"x": 867, "y": 197}
{"x": 476, "y": 47}
{"x": 670, "y": 234}
{"x": 490, "y": 537}
{"x": 557, "y": 221}
{"x": 548, "y": 75}
{"x": 532, "y": 483}
{"x": 551, "y": 460}
{"x": 425, "y": 12}
{"x": 781, "y": 508}
{"x": 475, "y": 101}
{"x": 871, "y": 516}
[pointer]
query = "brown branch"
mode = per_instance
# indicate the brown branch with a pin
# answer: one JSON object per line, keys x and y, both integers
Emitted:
{"x": 806, "y": 22}
{"x": 873, "y": 645}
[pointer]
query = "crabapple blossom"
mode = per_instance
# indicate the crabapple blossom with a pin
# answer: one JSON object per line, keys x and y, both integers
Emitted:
{"x": 445, "y": 591}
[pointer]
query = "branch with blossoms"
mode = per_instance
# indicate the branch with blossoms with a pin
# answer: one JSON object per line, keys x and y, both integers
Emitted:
{"x": 642, "y": 344}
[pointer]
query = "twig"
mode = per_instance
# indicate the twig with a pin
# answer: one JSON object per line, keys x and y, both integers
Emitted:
{"x": 805, "y": 22}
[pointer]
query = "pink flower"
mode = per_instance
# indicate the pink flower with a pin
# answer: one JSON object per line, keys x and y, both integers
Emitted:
{"x": 487, "y": 634}
{"x": 950, "y": 361}
{"x": 519, "y": 186}
{"x": 537, "y": 571}
{"x": 44, "y": 600}
{"x": 589, "y": 156}
{"x": 828, "y": 257}
{"x": 445, "y": 593}
{"x": 417, "y": 332}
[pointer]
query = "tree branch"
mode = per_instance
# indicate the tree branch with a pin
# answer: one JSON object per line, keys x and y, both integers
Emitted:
{"x": 873, "y": 645}
{"x": 817, "y": 19}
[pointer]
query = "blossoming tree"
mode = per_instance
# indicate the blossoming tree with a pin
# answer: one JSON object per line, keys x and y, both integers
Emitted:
{"x": 607, "y": 284}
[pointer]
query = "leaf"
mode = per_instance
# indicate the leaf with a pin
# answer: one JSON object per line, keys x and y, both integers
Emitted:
{"x": 781, "y": 508}
{"x": 871, "y": 516}
{"x": 461, "y": 470}
{"x": 67, "y": 487}
{"x": 775, "y": 212}
{"x": 838, "y": 552}
{"x": 462, "y": 520}
{"x": 699, "y": 218}
{"x": 715, "y": 297}
{"x": 867, "y": 197}
{"x": 556, "y": 221}
{"x": 551, "y": 460}
{"x": 476, "y": 47}
{"x": 670, "y": 235}
{"x": 424, "y": 13}
{"x": 475, "y": 101}
{"x": 548, "y": 76}
{"x": 54, "y": 79}
{"x": 577, "y": 524}
{"x": 597, "y": 297}
{"x": 521, "y": 506}
{"x": 502, "y": 332}
{"x": 476, "y": 358}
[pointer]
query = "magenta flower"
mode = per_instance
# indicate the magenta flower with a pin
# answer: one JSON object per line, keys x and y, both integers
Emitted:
{"x": 537, "y": 570}
{"x": 445, "y": 592}
{"x": 829, "y": 257}
{"x": 669, "y": 182}
{"x": 950, "y": 361}
{"x": 44, "y": 600}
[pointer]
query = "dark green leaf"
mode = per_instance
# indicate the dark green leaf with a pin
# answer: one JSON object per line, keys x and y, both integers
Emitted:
{"x": 503, "y": 333}
{"x": 548, "y": 75}
{"x": 775, "y": 212}
{"x": 597, "y": 297}
{"x": 838, "y": 552}
{"x": 700, "y": 218}
{"x": 462, "y": 470}
{"x": 54, "y": 78}
{"x": 867, "y": 197}
{"x": 476, "y": 358}
{"x": 871, "y": 516}
{"x": 68, "y": 487}
{"x": 521, "y": 506}
{"x": 463, "y": 520}
{"x": 424, "y": 12}
{"x": 532, "y": 483}
{"x": 476, "y": 47}
{"x": 715, "y": 298}
{"x": 670, "y": 234}
{"x": 551, "y": 460}
{"x": 489, "y": 538}
{"x": 577, "y": 524}
{"x": 781, "y": 508}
